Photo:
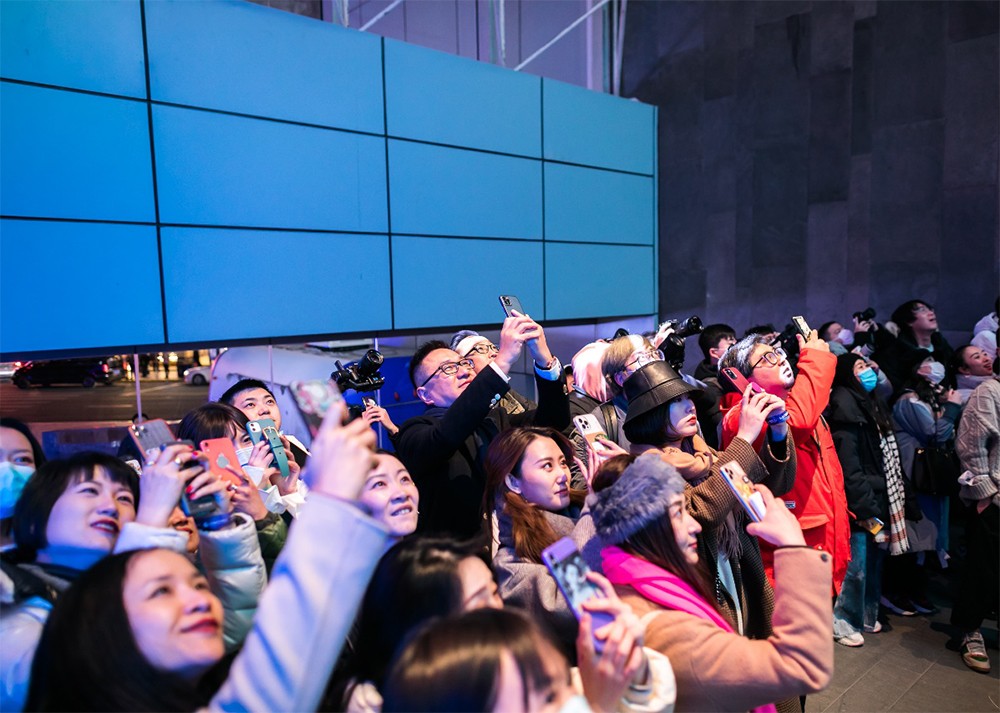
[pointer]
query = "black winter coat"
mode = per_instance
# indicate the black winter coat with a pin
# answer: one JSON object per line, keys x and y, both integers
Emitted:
{"x": 856, "y": 438}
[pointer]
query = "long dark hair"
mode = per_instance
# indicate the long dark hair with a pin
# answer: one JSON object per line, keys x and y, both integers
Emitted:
{"x": 656, "y": 542}
{"x": 532, "y": 531}
{"x": 87, "y": 658}
{"x": 871, "y": 402}
{"x": 454, "y": 664}
{"x": 416, "y": 580}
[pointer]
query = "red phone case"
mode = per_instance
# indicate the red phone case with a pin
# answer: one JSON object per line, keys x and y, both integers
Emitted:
{"x": 220, "y": 455}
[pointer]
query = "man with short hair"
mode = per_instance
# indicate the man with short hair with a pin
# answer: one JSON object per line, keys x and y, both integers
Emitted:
{"x": 444, "y": 449}
{"x": 817, "y": 498}
{"x": 256, "y": 401}
{"x": 714, "y": 340}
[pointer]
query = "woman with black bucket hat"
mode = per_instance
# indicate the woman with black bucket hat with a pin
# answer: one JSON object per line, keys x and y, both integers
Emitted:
{"x": 661, "y": 418}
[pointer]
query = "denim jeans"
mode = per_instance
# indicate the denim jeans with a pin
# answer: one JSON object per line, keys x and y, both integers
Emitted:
{"x": 857, "y": 605}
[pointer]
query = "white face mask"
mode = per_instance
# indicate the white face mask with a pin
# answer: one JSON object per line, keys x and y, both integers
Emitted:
{"x": 934, "y": 372}
{"x": 576, "y": 704}
{"x": 243, "y": 454}
{"x": 12, "y": 480}
{"x": 846, "y": 337}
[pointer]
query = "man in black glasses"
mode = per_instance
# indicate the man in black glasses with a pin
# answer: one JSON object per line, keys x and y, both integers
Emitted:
{"x": 817, "y": 498}
{"x": 444, "y": 447}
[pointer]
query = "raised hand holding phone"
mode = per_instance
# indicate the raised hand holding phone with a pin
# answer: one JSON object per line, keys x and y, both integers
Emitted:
{"x": 571, "y": 571}
{"x": 605, "y": 675}
{"x": 163, "y": 480}
{"x": 342, "y": 455}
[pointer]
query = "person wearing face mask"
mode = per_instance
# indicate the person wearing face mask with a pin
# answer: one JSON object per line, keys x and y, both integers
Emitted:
{"x": 877, "y": 497}
{"x": 277, "y": 495}
{"x": 20, "y": 456}
{"x": 971, "y": 366}
{"x": 255, "y": 401}
{"x": 917, "y": 335}
{"x": 925, "y": 413}
{"x": 837, "y": 337}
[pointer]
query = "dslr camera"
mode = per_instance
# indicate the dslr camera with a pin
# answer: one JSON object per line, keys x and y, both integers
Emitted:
{"x": 866, "y": 316}
{"x": 362, "y": 375}
{"x": 675, "y": 333}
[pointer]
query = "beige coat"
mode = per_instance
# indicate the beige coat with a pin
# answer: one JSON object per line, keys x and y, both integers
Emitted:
{"x": 723, "y": 671}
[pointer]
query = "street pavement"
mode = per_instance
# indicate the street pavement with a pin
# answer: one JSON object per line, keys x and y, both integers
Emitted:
{"x": 161, "y": 398}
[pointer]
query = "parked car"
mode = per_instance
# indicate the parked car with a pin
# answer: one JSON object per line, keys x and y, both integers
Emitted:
{"x": 7, "y": 369}
{"x": 86, "y": 371}
{"x": 198, "y": 375}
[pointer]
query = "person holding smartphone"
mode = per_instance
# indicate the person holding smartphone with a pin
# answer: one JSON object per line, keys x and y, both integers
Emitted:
{"x": 444, "y": 447}
{"x": 662, "y": 419}
{"x": 652, "y": 557}
{"x": 817, "y": 496}
{"x": 862, "y": 429}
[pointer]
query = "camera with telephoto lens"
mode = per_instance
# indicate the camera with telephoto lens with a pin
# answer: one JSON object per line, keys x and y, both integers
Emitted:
{"x": 866, "y": 316}
{"x": 362, "y": 375}
{"x": 676, "y": 332}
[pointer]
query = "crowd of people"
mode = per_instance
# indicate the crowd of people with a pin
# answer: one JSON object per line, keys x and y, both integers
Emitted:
{"x": 336, "y": 576}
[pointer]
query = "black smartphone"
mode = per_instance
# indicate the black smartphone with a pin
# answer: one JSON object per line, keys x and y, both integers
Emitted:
{"x": 510, "y": 304}
{"x": 801, "y": 326}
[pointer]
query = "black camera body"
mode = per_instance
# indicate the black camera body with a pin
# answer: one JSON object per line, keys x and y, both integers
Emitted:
{"x": 363, "y": 375}
{"x": 866, "y": 316}
{"x": 672, "y": 345}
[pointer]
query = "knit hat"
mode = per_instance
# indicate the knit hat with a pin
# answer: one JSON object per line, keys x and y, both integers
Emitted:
{"x": 640, "y": 495}
{"x": 653, "y": 385}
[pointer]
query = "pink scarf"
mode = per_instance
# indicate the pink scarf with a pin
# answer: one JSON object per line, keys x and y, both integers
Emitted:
{"x": 661, "y": 587}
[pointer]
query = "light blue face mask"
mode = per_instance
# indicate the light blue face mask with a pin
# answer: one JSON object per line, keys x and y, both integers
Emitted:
{"x": 868, "y": 378}
{"x": 12, "y": 480}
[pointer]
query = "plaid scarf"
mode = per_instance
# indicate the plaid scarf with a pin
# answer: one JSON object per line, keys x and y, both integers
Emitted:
{"x": 898, "y": 542}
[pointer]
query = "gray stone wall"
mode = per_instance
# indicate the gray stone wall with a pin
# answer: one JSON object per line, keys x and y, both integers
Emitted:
{"x": 819, "y": 157}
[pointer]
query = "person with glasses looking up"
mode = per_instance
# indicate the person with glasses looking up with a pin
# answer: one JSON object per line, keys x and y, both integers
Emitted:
{"x": 443, "y": 448}
{"x": 482, "y": 351}
{"x": 817, "y": 498}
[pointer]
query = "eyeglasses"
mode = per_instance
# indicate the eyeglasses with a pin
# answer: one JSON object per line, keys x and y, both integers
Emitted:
{"x": 773, "y": 358}
{"x": 483, "y": 349}
{"x": 643, "y": 358}
{"x": 450, "y": 368}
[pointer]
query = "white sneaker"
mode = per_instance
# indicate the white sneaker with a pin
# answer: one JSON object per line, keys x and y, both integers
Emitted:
{"x": 854, "y": 639}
